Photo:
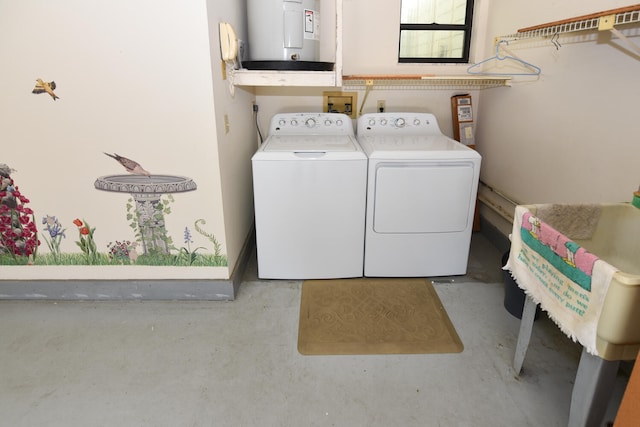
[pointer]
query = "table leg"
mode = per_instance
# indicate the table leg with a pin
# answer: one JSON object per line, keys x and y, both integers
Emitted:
{"x": 524, "y": 336}
{"x": 592, "y": 390}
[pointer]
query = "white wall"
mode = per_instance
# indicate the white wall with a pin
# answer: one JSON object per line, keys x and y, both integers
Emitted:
{"x": 237, "y": 143}
{"x": 568, "y": 136}
{"x": 371, "y": 39}
{"x": 133, "y": 78}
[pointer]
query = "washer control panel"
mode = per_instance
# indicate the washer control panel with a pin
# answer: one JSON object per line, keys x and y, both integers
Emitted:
{"x": 398, "y": 123}
{"x": 311, "y": 124}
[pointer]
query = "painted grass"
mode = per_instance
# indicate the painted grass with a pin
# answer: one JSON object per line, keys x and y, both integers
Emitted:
{"x": 200, "y": 260}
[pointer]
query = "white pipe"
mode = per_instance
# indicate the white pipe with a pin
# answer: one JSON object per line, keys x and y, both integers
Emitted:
{"x": 497, "y": 208}
{"x": 500, "y": 193}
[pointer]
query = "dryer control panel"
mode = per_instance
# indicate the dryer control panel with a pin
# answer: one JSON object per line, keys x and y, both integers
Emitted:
{"x": 398, "y": 124}
{"x": 311, "y": 124}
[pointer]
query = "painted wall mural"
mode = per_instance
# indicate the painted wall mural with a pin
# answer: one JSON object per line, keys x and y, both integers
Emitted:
{"x": 115, "y": 145}
{"x": 151, "y": 199}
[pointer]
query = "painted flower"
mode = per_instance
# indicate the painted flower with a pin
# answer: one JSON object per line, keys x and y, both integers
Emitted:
{"x": 123, "y": 252}
{"x": 187, "y": 235}
{"x": 18, "y": 232}
{"x": 86, "y": 242}
{"x": 56, "y": 234}
{"x": 187, "y": 255}
{"x": 53, "y": 226}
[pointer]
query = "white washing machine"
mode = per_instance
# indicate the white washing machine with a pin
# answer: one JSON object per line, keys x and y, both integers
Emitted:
{"x": 421, "y": 196}
{"x": 310, "y": 183}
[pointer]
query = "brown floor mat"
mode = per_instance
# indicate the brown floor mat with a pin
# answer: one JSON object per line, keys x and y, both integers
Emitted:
{"x": 374, "y": 316}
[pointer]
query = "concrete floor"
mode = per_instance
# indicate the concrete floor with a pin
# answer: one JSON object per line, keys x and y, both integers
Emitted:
{"x": 236, "y": 364}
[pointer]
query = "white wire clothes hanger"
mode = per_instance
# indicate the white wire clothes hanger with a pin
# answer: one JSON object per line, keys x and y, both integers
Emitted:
{"x": 532, "y": 69}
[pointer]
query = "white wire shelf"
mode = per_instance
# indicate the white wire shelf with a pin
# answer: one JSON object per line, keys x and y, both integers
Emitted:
{"x": 399, "y": 82}
{"x": 628, "y": 15}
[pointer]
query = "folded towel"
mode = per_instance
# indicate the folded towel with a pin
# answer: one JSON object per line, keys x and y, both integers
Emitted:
{"x": 567, "y": 281}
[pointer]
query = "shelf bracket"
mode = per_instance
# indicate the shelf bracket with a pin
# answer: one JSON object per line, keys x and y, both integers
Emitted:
{"x": 606, "y": 23}
{"x": 631, "y": 44}
{"x": 369, "y": 86}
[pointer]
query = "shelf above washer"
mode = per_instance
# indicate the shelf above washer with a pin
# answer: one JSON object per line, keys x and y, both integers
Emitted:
{"x": 425, "y": 82}
{"x": 394, "y": 82}
{"x": 246, "y": 77}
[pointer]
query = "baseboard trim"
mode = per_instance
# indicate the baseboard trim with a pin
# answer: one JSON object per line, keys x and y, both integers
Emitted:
{"x": 182, "y": 290}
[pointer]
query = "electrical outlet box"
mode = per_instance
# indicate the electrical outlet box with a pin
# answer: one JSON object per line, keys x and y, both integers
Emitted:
{"x": 381, "y": 106}
{"x": 340, "y": 102}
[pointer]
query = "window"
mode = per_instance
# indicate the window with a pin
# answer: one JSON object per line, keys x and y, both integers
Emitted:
{"x": 435, "y": 30}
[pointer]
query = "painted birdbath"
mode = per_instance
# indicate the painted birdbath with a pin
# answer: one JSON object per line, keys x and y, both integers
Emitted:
{"x": 147, "y": 191}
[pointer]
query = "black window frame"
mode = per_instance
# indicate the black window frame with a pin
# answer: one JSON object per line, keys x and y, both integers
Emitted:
{"x": 466, "y": 28}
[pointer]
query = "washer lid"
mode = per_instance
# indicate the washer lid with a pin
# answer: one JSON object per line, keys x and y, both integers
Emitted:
{"x": 415, "y": 147}
{"x": 310, "y": 148}
{"x": 311, "y": 143}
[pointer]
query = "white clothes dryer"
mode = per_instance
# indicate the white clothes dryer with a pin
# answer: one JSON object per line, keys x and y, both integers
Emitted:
{"x": 421, "y": 196}
{"x": 310, "y": 183}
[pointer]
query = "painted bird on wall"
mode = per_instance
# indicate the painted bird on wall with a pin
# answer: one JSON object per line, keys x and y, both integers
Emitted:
{"x": 131, "y": 166}
{"x": 44, "y": 87}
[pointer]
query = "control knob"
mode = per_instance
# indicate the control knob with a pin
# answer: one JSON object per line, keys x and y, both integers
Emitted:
{"x": 399, "y": 122}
